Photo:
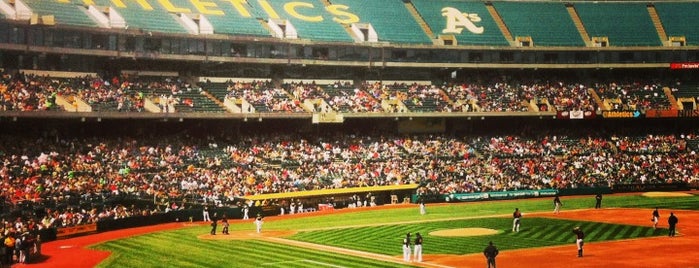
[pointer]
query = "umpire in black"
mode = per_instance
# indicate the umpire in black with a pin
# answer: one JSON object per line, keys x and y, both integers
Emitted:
{"x": 490, "y": 253}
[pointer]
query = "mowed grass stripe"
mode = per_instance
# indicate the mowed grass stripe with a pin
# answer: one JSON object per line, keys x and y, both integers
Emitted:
{"x": 596, "y": 231}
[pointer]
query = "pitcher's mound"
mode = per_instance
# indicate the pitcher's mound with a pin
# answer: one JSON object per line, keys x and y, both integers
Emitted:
{"x": 665, "y": 194}
{"x": 464, "y": 232}
{"x": 243, "y": 235}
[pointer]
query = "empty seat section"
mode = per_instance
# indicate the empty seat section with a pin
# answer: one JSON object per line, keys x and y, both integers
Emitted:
{"x": 390, "y": 18}
{"x": 218, "y": 90}
{"x": 687, "y": 91}
{"x": 680, "y": 19}
{"x": 194, "y": 101}
{"x": 157, "y": 20}
{"x": 626, "y": 24}
{"x": 548, "y": 24}
{"x": 323, "y": 30}
{"x": 432, "y": 12}
{"x": 64, "y": 13}
{"x": 231, "y": 21}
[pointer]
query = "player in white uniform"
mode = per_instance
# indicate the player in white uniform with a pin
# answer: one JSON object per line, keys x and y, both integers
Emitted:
{"x": 258, "y": 223}
{"x": 406, "y": 248}
{"x": 417, "y": 248}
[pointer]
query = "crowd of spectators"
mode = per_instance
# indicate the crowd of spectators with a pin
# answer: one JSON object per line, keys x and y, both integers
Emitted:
{"x": 496, "y": 96}
{"x": 77, "y": 180}
{"x": 27, "y": 92}
{"x": 70, "y": 176}
{"x": 127, "y": 93}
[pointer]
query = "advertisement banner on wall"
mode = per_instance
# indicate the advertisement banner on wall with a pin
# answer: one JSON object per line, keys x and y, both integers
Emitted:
{"x": 464, "y": 197}
{"x": 684, "y": 65}
{"x": 621, "y": 114}
{"x": 655, "y": 113}
{"x": 575, "y": 115}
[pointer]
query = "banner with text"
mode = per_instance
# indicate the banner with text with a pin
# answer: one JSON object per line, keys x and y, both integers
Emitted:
{"x": 499, "y": 195}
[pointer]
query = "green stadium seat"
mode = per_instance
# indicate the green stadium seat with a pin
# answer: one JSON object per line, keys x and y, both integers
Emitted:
{"x": 390, "y": 18}
{"x": 64, "y": 13}
{"x": 680, "y": 19}
{"x": 548, "y": 24}
{"x": 156, "y": 20}
{"x": 325, "y": 30}
{"x": 231, "y": 22}
{"x": 626, "y": 24}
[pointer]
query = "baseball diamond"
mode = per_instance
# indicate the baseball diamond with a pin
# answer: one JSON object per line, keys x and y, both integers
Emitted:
{"x": 344, "y": 238}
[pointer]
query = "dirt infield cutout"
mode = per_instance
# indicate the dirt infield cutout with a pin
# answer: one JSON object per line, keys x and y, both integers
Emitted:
{"x": 463, "y": 232}
{"x": 665, "y": 194}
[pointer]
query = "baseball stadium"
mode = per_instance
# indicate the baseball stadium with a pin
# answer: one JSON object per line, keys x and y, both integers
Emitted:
{"x": 349, "y": 133}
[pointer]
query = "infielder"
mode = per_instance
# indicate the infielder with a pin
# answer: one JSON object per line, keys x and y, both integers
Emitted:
{"x": 517, "y": 215}
{"x": 417, "y": 249}
{"x": 579, "y": 235}
{"x": 406, "y": 248}
{"x": 656, "y": 218}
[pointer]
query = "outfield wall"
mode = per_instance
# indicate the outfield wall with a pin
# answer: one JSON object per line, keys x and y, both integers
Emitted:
{"x": 503, "y": 195}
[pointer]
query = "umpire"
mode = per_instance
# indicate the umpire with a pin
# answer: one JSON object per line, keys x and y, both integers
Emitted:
{"x": 490, "y": 253}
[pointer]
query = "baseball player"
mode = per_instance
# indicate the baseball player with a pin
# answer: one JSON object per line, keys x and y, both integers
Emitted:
{"x": 656, "y": 218}
{"x": 258, "y": 223}
{"x": 417, "y": 248}
{"x": 579, "y": 236}
{"x": 557, "y": 205}
{"x": 246, "y": 210}
{"x": 224, "y": 224}
{"x": 406, "y": 248}
{"x": 205, "y": 213}
{"x": 517, "y": 215}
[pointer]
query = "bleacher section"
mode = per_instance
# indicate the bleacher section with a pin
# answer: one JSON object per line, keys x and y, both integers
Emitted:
{"x": 195, "y": 101}
{"x": 66, "y": 14}
{"x": 339, "y": 92}
{"x": 157, "y": 20}
{"x": 230, "y": 21}
{"x": 626, "y": 24}
{"x": 218, "y": 90}
{"x": 685, "y": 91}
{"x": 680, "y": 19}
{"x": 325, "y": 30}
{"x": 548, "y": 24}
{"x": 391, "y": 20}
{"x": 432, "y": 12}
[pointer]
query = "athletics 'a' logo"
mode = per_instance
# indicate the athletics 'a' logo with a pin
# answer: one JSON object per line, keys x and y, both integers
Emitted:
{"x": 457, "y": 21}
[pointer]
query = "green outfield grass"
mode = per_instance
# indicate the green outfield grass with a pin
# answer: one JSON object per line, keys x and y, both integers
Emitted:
{"x": 380, "y": 231}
